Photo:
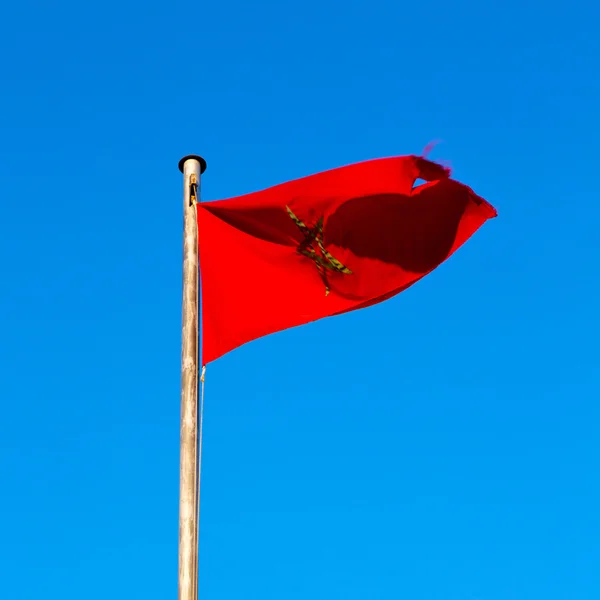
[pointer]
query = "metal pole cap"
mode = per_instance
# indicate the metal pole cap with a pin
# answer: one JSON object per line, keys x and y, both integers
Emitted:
{"x": 196, "y": 157}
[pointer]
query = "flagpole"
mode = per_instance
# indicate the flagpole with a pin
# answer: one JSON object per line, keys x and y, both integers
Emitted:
{"x": 192, "y": 167}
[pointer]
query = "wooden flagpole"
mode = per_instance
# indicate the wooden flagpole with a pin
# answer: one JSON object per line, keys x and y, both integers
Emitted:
{"x": 192, "y": 167}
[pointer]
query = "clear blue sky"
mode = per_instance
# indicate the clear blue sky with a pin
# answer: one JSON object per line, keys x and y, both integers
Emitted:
{"x": 456, "y": 458}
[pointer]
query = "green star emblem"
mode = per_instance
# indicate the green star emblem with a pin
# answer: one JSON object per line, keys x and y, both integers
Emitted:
{"x": 312, "y": 247}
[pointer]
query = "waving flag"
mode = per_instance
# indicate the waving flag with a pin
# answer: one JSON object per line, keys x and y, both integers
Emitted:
{"x": 326, "y": 244}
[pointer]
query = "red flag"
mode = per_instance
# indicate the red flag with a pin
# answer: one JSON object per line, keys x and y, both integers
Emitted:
{"x": 326, "y": 244}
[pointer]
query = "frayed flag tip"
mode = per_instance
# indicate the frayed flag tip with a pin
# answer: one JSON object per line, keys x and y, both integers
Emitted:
{"x": 430, "y": 147}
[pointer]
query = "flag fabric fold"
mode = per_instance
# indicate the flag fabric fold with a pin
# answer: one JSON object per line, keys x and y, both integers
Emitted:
{"x": 326, "y": 244}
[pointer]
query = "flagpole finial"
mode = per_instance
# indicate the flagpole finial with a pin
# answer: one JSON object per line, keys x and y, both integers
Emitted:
{"x": 193, "y": 157}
